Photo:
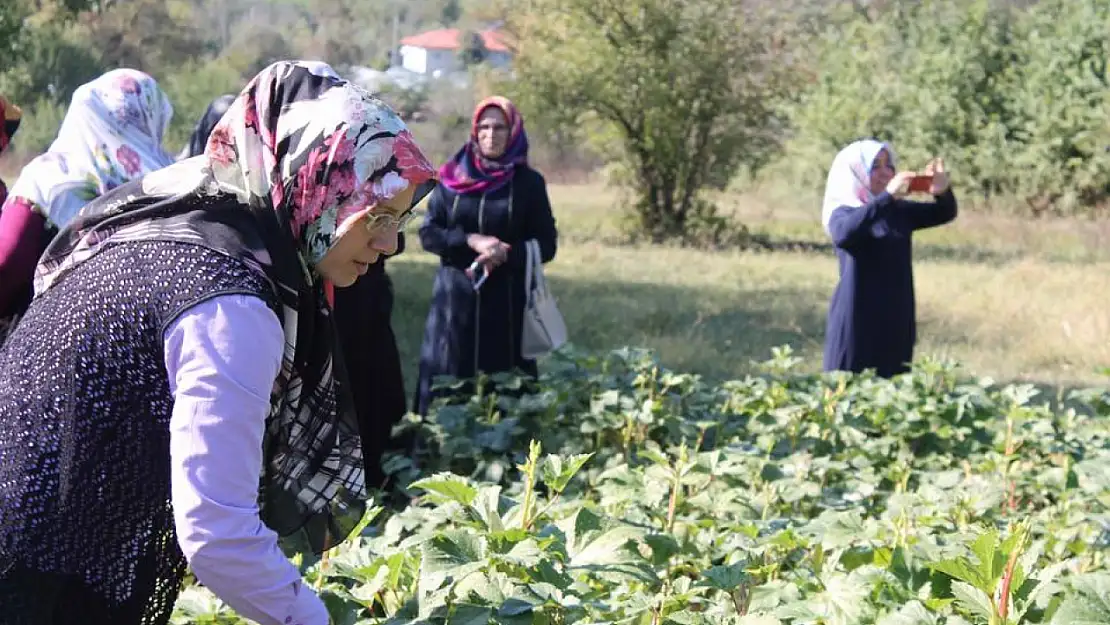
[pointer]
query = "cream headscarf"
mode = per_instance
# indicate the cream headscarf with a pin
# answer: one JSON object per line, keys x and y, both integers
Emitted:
{"x": 849, "y": 181}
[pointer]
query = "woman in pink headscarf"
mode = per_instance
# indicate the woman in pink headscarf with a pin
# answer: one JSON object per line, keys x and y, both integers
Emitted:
{"x": 488, "y": 204}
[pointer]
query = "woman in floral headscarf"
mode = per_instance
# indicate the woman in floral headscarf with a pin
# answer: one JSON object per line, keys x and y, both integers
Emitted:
{"x": 9, "y": 123}
{"x": 871, "y": 323}
{"x": 488, "y": 204}
{"x": 112, "y": 133}
{"x": 180, "y": 347}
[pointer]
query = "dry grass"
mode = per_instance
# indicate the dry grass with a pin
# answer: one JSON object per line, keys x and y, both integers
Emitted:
{"x": 1012, "y": 299}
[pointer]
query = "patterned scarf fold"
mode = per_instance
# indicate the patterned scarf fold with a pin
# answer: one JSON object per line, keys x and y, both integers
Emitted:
{"x": 111, "y": 134}
{"x": 470, "y": 172}
{"x": 849, "y": 180}
{"x": 297, "y": 151}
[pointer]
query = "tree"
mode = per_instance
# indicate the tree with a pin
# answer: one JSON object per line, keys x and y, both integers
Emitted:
{"x": 679, "y": 92}
{"x": 451, "y": 13}
{"x": 472, "y": 49}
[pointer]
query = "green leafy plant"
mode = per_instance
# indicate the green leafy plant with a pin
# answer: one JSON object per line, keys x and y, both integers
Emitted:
{"x": 626, "y": 493}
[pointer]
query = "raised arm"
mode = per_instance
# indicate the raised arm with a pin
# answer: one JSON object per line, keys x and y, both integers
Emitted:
{"x": 438, "y": 237}
{"x": 923, "y": 215}
{"x": 850, "y": 225}
{"x": 222, "y": 357}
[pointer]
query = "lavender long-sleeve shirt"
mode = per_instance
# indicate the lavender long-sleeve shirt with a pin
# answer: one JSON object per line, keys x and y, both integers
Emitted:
{"x": 222, "y": 357}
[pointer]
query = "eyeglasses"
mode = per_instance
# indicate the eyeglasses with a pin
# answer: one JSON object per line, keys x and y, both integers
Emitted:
{"x": 381, "y": 221}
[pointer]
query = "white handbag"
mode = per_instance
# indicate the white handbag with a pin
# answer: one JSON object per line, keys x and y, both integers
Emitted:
{"x": 544, "y": 328}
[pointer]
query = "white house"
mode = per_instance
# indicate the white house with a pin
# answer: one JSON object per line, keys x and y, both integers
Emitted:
{"x": 437, "y": 51}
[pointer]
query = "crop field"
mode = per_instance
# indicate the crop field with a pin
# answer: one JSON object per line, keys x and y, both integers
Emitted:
{"x": 618, "y": 491}
{"x": 700, "y": 483}
{"x": 627, "y": 489}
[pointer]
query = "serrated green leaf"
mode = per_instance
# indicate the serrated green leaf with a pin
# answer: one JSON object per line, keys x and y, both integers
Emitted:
{"x": 453, "y": 550}
{"x": 1087, "y": 604}
{"x": 725, "y": 578}
{"x": 913, "y": 613}
{"x": 468, "y": 614}
{"x": 443, "y": 487}
{"x": 972, "y": 600}
{"x": 559, "y": 471}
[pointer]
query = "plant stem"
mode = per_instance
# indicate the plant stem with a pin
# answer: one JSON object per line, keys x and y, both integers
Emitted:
{"x": 324, "y": 558}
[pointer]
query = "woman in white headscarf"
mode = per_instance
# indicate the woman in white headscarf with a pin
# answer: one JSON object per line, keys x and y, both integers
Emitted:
{"x": 111, "y": 134}
{"x": 871, "y": 322}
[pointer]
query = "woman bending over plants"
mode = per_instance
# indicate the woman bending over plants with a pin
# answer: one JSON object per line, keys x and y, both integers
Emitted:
{"x": 172, "y": 395}
{"x": 871, "y": 322}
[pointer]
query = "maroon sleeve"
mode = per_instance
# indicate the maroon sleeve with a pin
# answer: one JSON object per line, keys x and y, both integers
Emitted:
{"x": 20, "y": 247}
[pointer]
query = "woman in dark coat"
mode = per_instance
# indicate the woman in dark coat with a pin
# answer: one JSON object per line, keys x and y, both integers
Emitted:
{"x": 488, "y": 203}
{"x": 871, "y": 323}
{"x": 205, "y": 124}
{"x": 363, "y": 318}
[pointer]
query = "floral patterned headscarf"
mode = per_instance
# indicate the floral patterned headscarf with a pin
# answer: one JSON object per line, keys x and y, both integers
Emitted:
{"x": 314, "y": 160}
{"x": 298, "y": 150}
{"x": 112, "y": 133}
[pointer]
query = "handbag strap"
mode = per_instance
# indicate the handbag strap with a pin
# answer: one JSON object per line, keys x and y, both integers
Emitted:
{"x": 537, "y": 281}
{"x": 529, "y": 274}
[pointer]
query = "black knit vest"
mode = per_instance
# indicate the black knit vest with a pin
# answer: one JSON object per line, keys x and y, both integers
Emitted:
{"x": 86, "y": 525}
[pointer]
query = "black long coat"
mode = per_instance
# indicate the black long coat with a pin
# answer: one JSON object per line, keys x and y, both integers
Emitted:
{"x": 467, "y": 330}
{"x": 363, "y": 314}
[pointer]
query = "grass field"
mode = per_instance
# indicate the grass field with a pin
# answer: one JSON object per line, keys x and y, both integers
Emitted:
{"x": 1009, "y": 298}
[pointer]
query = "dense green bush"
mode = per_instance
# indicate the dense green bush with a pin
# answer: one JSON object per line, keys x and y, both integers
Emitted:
{"x": 191, "y": 89}
{"x": 1018, "y": 100}
{"x": 53, "y": 59}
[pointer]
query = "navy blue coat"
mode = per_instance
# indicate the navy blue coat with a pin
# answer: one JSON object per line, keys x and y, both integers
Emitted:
{"x": 872, "y": 321}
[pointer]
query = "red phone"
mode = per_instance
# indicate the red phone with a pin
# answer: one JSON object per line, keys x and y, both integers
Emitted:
{"x": 920, "y": 184}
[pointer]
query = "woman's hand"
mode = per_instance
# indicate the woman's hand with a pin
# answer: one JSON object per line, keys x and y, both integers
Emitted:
{"x": 491, "y": 251}
{"x": 935, "y": 168}
{"x": 899, "y": 185}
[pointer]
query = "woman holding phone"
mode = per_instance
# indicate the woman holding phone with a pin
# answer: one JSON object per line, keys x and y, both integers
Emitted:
{"x": 872, "y": 320}
{"x": 488, "y": 203}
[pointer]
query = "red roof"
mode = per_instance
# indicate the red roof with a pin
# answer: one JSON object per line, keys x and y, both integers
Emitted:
{"x": 448, "y": 39}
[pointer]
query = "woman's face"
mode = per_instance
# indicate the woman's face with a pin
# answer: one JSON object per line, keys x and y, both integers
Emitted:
{"x": 493, "y": 132}
{"x": 881, "y": 172}
{"x": 364, "y": 236}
